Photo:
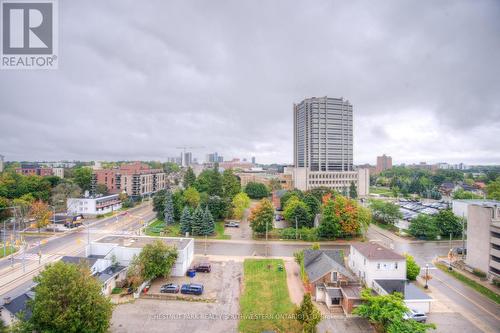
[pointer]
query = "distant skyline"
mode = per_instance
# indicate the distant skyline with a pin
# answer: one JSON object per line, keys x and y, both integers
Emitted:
{"x": 137, "y": 79}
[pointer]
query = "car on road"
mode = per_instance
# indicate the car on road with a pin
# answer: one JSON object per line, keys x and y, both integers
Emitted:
{"x": 170, "y": 288}
{"x": 192, "y": 289}
{"x": 415, "y": 315}
{"x": 203, "y": 267}
{"x": 232, "y": 225}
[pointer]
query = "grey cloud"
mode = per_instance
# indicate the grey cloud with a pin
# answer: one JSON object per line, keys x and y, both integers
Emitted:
{"x": 137, "y": 79}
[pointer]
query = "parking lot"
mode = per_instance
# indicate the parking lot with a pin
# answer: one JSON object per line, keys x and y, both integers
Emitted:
{"x": 215, "y": 311}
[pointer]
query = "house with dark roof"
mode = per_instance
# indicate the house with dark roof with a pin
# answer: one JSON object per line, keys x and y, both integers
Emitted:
{"x": 104, "y": 269}
{"x": 329, "y": 280}
{"x": 13, "y": 309}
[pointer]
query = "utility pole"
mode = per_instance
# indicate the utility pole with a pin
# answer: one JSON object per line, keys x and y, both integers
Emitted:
{"x": 296, "y": 229}
{"x": 450, "y": 254}
{"x": 266, "y": 237}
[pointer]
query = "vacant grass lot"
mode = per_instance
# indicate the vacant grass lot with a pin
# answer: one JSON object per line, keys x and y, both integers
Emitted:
{"x": 265, "y": 304}
{"x": 156, "y": 227}
{"x": 384, "y": 191}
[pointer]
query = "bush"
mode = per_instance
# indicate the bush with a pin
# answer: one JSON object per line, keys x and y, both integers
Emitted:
{"x": 412, "y": 268}
{"x": 478, "y": 273}
{"x": 256, "y": 190}
{"x": 306, "y": 234}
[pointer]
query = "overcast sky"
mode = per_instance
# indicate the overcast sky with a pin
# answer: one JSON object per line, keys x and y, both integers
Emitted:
{"x": 136, "y": 79}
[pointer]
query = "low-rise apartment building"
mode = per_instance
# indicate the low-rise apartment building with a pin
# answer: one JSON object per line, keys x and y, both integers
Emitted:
{"x": 135, "y": 179}
{"x": 34, "y": 170}
{"x": 93, "y": 206}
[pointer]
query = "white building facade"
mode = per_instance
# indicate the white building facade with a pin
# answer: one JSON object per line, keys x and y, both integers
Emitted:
{"x": 372, "y": 261}
{"x": 93, "y": 206}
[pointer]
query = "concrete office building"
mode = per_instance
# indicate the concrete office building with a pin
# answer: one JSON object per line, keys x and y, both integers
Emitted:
{"x": 384, "y": 162}
{"x": 93, "y": 206}
{"x": 323, "y": 146}
{"x": 483, "y": 234}
{"x": 1, "y": 162}
{"x": 186, "y": 159}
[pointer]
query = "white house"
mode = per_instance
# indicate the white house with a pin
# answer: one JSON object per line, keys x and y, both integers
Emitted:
{"x": 370, "y": 261}
{"x": 384, "y": 271}
{"x": 104, "y": 269}
{"x": 93, "y": 206}
{"x": 123, "y": 248}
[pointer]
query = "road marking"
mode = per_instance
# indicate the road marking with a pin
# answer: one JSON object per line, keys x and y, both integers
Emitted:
{"x": 468, "y": 298}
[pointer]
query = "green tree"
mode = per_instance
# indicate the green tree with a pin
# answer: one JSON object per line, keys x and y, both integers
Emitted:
{"x": 170, "y": 167}
{"x": 197, "y": 222}
{"x": 83, "y": 177}
{"x": 168, "y": 212}
{"x": 275, "y": 184}
{"x": 179, "y": 203}
{"x": 262, "y": 215}
{"x": 461, "y": 194}
{"x": 296, "y": 210}
{"x": 191, "y": 197}
{"x": 289, "y": 194}
{"x": 313, "y": 204}
{"x": 353, "y": 191}
{"x": 219, "y": 207}
{"x": 308, "y": 315}
{"x": 493, "y": 189}
{"x": 62, "y": 192}
{"x": 208, "y": 226}
{"x": 448, "y": 223}
{"x": 424, "y": 226}
{"x": 189, "y": 178}
{"x": 202, "y": 182}
{"x": 385, "y": 212}
{"x": 101, "y": 189}
{"x": 330, "y": 222}
{"x": 412, "y": 268}
{"x": 381, "y": 309}
{"x": 69, "y": 299}
{"x": 256, "y": 190}
{"x": 231, "y": 184}
{"x": 186, "y": 220}
{"x": 215, "y": 185}
{"x": 240, "y": 203}
{"x": 156, "y": 260}
{"x": 408, "y": 326}
{"x": 159, "y": 204}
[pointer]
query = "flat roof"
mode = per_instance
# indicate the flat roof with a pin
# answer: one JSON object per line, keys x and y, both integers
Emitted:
{"x": 351, "y": 291}
{"x": 140, "y": 241}
{"x": 409, "y": 290}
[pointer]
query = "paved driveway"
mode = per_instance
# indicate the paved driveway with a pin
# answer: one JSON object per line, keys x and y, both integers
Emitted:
{"x": 451, "y": 322}
{"x": 347, "y": 325}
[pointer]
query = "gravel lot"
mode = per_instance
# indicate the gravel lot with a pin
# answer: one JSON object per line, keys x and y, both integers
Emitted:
{"x": 223, "y": 283}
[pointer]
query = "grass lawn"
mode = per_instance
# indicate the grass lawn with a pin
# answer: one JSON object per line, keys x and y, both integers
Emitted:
{"x": 388, "y": 227}
{"x": 385, "y": 191}
{"x": 174, "y": 230}
{"x": 265, "y": 296}
{"x": 471, "y": 283}
{"x": 8, "y": 251}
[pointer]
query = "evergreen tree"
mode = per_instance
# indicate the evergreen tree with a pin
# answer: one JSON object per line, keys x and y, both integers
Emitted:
{"x": 169, "y": 208}
{"x": 197, "y": 222}
{"x": 186, "y": 220}
{"x": 308, "y": 315}
{"x": 208, "y": 223}
{"x": 189, "y": 178}
{"x": 215, "y": 183}
{"x": 353, "y": 192}
{"x": 230, "y": 184}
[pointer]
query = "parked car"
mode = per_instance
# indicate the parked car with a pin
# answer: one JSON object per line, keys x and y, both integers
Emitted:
{"x": 278, "y": 217}
{"x": 460, "y": 250}
{"x": 232, "y": 225}
{"x": 170, "y": 288}
{"x": 415, "y": 315}
{"x": 192, "y": 288}
{"x": 203, "y": 267}
{"x": 146, "y": 288}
